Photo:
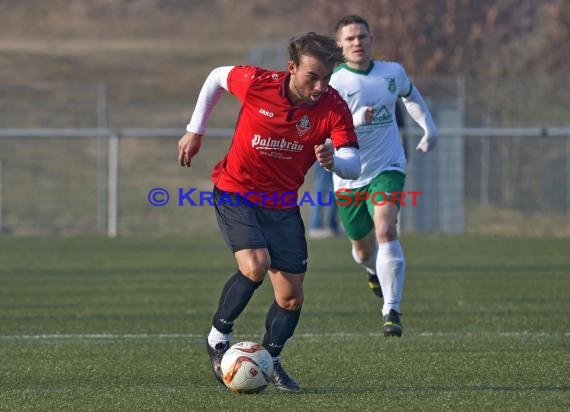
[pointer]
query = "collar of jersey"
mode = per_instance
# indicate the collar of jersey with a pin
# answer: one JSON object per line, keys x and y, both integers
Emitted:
{"x": 283, "y": 87}
{"x": 350, "y": 69}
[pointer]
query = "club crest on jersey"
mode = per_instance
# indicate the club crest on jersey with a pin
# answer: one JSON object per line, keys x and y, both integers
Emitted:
{"x": 303, "y": 125}
{"x": 391, "y": 81}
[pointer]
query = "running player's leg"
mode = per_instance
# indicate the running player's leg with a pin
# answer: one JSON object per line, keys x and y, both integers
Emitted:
{"x": 281, "y": 321}
{"x": 390, "y": 266}
{"x": 285, "y": 235}
{"x": 364, "y": 252}
{"x": 384, "y": 204}
{"x": 237, "y": 292}
{"x": 243, "y": 233}
{"x": 356, "y": 216}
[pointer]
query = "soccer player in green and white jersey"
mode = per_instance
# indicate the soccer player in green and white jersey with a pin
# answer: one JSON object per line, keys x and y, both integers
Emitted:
{"x": 371, "y": 88}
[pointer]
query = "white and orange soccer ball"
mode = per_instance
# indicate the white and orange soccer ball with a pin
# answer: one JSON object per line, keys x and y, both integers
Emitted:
{"x": 247, "y": 367}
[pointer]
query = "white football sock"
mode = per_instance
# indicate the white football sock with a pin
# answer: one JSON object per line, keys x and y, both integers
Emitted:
{"x": 370, "y": 264}
{"x": 391, "y": 269}
{"x": 216, "y": 337}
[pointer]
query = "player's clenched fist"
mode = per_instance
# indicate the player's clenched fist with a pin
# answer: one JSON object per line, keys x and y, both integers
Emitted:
{"x": 324, "y": 154}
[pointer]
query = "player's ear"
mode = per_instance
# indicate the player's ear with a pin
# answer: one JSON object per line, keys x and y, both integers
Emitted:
{"x": 339, "y": 42}
{"x": 291, "y": 67}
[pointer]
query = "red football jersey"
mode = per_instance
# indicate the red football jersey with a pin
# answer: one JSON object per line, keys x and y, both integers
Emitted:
{"x": 273, "y": 142}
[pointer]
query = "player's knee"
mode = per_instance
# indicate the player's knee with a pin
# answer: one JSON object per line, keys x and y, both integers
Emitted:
{"x": 361, "y": 255}
{"x": 386, "y": 232}
{"x": 254, "y": 270}
{"x": 292, "y": 303}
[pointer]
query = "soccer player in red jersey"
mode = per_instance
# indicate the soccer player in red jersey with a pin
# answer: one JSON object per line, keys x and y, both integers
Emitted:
{"x": 282, "y": 127}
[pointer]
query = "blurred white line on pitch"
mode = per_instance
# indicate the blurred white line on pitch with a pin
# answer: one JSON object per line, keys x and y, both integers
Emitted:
{"x": 112, "y": 336}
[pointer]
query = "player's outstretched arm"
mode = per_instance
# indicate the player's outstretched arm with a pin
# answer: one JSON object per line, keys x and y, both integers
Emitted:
{"x": 417, "y": 108}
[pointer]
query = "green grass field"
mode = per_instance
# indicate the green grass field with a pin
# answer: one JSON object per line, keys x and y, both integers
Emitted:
{"x": 100, "y": 324}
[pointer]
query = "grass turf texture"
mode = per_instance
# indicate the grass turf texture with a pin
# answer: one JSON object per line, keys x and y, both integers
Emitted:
{"x": 99, "y": 324}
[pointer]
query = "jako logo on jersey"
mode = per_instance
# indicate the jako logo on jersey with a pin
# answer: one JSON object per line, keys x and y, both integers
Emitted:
{"x": 275, "y": 144}
{"x": 265, "y": 112}
{"x": 303, "y": 125}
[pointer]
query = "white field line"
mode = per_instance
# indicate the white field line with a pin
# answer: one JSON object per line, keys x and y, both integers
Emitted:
{"x": 114, "y": 336}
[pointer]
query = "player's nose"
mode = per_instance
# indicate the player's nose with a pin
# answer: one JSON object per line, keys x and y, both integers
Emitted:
{"x": 321, "y": 86}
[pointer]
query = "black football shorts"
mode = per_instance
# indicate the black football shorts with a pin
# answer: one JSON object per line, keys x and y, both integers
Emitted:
{"x": 248, "y": 226}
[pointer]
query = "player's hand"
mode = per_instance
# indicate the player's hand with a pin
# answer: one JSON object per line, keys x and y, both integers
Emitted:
{"x": 324, "y": 154}
{"x": 369, "y": 115}
{"x": 427, "y": 143}
{"x": 188, "y": 147}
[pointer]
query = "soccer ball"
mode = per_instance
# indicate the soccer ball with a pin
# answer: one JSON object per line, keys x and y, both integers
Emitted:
{"x": 247, "y": 367}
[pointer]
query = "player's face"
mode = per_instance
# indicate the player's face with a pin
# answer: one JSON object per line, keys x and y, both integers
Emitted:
{"x": 356, "y": 43}
{"x": 309, "y": 80}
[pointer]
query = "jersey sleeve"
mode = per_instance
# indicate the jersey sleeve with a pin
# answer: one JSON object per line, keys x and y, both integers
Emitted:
{"x": 211, "y": 92}
{"x": 404, "y": 83}
{"x": 240, "y": 79}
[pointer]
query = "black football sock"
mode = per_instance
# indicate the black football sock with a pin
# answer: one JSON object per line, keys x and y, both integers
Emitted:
{"x": 235, "y": 296}
{"x": 279, "y": 326}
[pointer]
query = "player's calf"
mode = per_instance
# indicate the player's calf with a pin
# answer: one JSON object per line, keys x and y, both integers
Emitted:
{"x": 374, "y": 285}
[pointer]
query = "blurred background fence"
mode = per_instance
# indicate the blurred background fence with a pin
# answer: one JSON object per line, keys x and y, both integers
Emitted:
{"x": 72, "y": 163}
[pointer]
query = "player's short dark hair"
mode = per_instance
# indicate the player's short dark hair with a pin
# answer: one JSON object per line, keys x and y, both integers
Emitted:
{"x": 323, "y": 48}
{"x": 351, "y": 19}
